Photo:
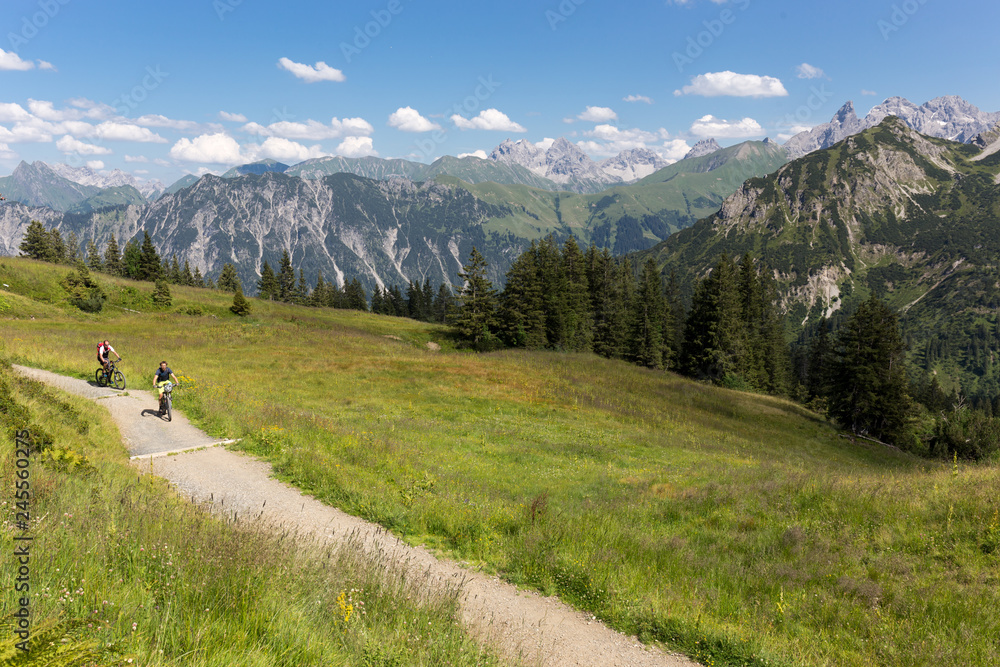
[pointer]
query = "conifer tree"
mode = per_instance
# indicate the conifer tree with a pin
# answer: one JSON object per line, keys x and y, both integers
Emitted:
{"x": 818, "y": 364}
{"x": 267, "y": 286}
{"x": 714, "y": 331}
{"x": 521, "y": 307}
{"x": 229, "y": 280}
{"x": 443, "y": 303}
{"x": 186, "y": 277}
{"x": 354, "y": 296}
{"x": 301, "y": 289}
{"x": 378, "y": 301}
{"x": 868, "y": 388}
{"x": 161, "y": 294}
{"x": 150, "y": 267}
{"x": 36, "y": 244}
{"x": 476, "y": 316}
{"x": 175, "y": 271}
{"x": 199, "y": 280}
{"x": 241, "y": 306}
{"x": 286, "y": 277}
{"x": 94, "y": 262}
{"x": 646, "y": 344}
{"x": 113, "y": 258}
{"x": 57, "y": 248}
{"x": 131, "y": 261}
{"x": 72, "y": 248}
{"x": 577, "y": 326}
{"x": 318, "y": 296}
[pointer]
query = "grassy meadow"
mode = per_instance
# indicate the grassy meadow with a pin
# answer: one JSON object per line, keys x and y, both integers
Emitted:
{"x": 738, "y": 529}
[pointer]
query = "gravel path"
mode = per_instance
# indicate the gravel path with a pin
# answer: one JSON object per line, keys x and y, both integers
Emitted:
{"x": 528, "y": 627}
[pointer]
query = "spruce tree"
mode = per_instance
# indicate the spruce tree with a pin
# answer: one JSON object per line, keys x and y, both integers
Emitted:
{"x": 378, "y": 301}
{"x": 286, "y": 278}
{"x": 72, "y": 249}
{"x": 198, "y": 279}
{"x": 186, "y": 277}
{"x": 354, "y": 296}
{"x": 131, "y": 261}
{"x": 521, "y": 314}
{"x": 113, "y": 258}
{"x": 36, "y": 244}
{"x": 267, "y": 286}
{"x": 443, "y": 303}
{"x": 574, "y": 289}
{"x": 868, "y": 387}
{"x": 229, "y": 280}
{"x": 301, "y": 289}
{"x": 318, "y": 296}
{"x": 94, "y": 262}
{"x": 714, "y": 329}
{"x": 241, "y": 306}
{"x": 150, "y": 267}
{"x": 57, "y": 248}
{"x": 476, "y": 316}
{"x": 161, "y": 294}
{"x": 175, "y": 271}
{"x": 646, "y": 344}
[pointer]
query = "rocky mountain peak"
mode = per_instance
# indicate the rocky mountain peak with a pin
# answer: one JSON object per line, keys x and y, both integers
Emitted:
{"x": 703, "y": 147}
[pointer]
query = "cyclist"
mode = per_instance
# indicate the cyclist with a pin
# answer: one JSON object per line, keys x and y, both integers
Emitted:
{"x": 161, "y": 377}
{"x": 104, "y": 351}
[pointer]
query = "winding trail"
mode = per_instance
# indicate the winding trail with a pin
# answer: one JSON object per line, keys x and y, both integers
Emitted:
{"x": 530, "y": 628}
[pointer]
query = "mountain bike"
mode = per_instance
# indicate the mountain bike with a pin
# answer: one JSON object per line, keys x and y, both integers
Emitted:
{"x": 165, "y": 401}
{"x": 112, "y": 376}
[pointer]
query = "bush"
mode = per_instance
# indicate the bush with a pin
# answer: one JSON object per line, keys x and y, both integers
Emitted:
{"x": 84, "y": 292}
{"x": 240, "y": 305}
{"x": 161, "y": 295}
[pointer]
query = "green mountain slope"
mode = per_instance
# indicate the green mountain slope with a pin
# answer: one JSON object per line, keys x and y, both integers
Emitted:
{"x": 108, "y": 197}
{"x": 37, "y": 185}
{"x": 913, "y": 218}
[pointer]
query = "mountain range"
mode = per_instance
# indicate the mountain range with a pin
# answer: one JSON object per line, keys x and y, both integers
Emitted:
{"x": 910, "y": 217}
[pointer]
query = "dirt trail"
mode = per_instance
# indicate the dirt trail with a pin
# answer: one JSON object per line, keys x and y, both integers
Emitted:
{"x": 529, "y": 627}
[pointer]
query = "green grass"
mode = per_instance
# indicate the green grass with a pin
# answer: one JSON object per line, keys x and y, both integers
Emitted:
{"x": 739, "y": 529}
{"x": 125, "y": 572}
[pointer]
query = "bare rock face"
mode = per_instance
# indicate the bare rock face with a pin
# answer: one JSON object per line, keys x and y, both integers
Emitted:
{"x": 703, "y": 147}
{"x": 949, "y": 117}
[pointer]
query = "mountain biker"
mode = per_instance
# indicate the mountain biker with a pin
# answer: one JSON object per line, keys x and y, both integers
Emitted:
{"x": 161, "y": 377}
{"x": 104, "y": 351}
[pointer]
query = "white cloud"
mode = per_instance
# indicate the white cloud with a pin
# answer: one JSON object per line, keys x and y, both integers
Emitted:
{"x": 232, "y": 117}
{"x": 32, "y": 130}
{"x": 163, "y": 163}
{"x": 283, "y": 150}
{"x": 13, "y": 113}
{"x": 158, "y": 120}
{"x": 136, "y": 158}
{"x": 96, "y": 165}
{"x": 598, "y": 115}
{"x": 710, "y": 126}
{"x": 216, "y": 148}
{"x": 638, "y": 138}
{"x": 409, "y": 119}
{"x": 70, "y": 144}
{"x": 11, "y": 61}
{"x": 673, "y": 150}
{"x": 6, "y": 153}
{"x": 311, "y": 73}
{"x": 545, "y": 144}
{"x": 312, "y": 130}
{"x": 807, "y": 71}
{"x": 115, "y": 131}
{"x": 356, "y": 147}
{"x": 488, "y": 119}
{"x": 715, "y": 84}
{"x": 481, "y": 154}
{"x": 45, "y": 64}
{"x": 868, "y": 92}
{"x": 637, "y": 98}
{"x": 141, "y": 172}
{"x": 46, "y": 111}
{"x": 92, "y": 109}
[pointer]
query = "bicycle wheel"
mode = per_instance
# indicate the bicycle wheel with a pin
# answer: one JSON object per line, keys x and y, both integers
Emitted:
{"x": 169, "y": 414}
{"x": 118, "y": 380}
{"x": 102, "y": 380}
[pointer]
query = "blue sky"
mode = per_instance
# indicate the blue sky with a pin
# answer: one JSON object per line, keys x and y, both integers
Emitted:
{"x": 163, "y": 89}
